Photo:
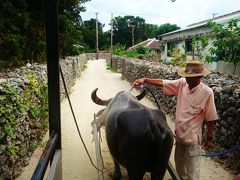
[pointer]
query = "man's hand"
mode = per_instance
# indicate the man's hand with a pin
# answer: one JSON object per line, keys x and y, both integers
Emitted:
{"x": 208, "y": 144}
{"x": 237, "y": 177}
{"x": 138, "y": 82}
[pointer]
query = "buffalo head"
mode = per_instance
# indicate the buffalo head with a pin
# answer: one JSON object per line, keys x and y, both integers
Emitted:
{"x": 101, "y": 115}
{"x": 101, "y": 102}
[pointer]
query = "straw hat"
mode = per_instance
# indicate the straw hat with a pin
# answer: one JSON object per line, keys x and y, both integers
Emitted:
{"x": 193, "y": 69}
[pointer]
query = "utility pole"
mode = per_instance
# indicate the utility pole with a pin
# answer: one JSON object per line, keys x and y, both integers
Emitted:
{"x": 97, "y": 36}
{"x": 213, "y": 15}
{"x": 133, "y": 27}
{"x": 111, "y": 38}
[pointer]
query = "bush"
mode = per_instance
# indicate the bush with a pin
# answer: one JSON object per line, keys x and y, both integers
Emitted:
{"x": 143, "y": 50}
{"x": 226, "y": 46}
{"x": 119, "y": 50}
{"x": 179, "y": 59}
{"x": 139, "y": 52}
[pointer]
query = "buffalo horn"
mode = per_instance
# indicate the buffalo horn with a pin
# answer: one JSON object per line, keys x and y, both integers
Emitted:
{"x": 97, "y": 100}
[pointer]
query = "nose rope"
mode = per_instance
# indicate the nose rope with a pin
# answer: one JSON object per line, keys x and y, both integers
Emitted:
{"x": 132, "y": 88}
{"x": 143, "y": 86}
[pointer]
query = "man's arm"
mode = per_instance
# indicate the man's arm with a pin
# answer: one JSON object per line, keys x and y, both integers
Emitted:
{"x": 210, "y": 127}
{"x": 210, "y": 131}
{"x": 157, "y": 82}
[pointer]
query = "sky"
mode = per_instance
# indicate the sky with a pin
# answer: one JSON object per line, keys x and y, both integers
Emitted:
{"x": 180, "y": 12}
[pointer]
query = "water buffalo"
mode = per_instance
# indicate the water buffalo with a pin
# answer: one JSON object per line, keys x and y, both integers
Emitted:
{"x": 138, "y": 137}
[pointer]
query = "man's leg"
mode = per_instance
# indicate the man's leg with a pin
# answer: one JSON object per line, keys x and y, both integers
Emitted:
{"x": 194, "y": 162}
{"x": 180, "y": 160}
{"x": 187, "y": 161}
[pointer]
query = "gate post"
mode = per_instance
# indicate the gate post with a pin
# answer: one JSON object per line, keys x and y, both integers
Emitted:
{"x": 54, "y": 103}
{"x": 53, "y": 69}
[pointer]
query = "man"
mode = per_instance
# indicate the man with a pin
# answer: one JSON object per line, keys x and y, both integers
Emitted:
{"x": 195, "y": 103}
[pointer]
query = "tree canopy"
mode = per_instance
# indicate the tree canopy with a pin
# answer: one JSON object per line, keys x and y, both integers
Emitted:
{"x": 226, "y": 46}
{"x": 165, "y": 28}
{"x": 23, "y": 37}
{"x": 89, "y": 35}
{"x": 22, "y": 30}
{"x": 129, "y": 28}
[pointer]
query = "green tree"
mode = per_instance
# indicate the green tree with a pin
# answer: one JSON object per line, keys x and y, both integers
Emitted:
{"x": 226, "y": 46}
{"x": 123, "y": 28}
{"x": 35, "y": 33}
{"x": 179, "y": 59}
{"x": 22, "y": 30}
{"x": 14, "y": 23}
{"x": 70, "y": 23}
{"x": 165, "y": 28}
{"x": 198, "y": 45}
{"x": 152, "y": 30}
{"x": 89, "y": 36}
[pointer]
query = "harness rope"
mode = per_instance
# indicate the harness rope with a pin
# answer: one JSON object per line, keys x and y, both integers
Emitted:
{"x": 222, "y": 153}
{"x": 75, "y": 120}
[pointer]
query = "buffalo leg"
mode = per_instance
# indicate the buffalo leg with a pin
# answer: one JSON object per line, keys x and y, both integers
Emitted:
{"x": 133, "y": 175}
{"x": 165, "y": 149}
{"x": 116, "y": 175}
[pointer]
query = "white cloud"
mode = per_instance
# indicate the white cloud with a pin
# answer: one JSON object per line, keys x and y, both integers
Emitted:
{"x": 180, "y": 12}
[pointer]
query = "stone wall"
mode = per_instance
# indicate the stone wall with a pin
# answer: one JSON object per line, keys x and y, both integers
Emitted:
{"x": 117, "y": 62}
{"x": 28, "y": 132}
{"x": 92, "y": 56}
{"x": 20, "y": 124}
{"x": 227, "y": 98}
{"x": 20, "y": 134}
{"x": 72, "y": 68}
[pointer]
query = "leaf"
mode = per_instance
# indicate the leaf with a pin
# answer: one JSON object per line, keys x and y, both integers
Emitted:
{"x": 2, "y": 97}
{"x": 2, "y": 110}
{"x": 8, "y": 129}
{"x": 13, "y": 150}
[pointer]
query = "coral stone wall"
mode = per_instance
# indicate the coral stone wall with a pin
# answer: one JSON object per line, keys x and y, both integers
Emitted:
{"x": 22, "y": 98}
{"x": 19, "y": 137}
{"x": 72, "y": 68}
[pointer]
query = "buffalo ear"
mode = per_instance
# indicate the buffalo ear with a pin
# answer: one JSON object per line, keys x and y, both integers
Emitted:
{"x": 97, "y": 100}
{"x": 142, "y": 95}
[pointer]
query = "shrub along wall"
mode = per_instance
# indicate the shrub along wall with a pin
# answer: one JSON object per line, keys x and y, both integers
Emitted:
{"x": 24, "y": 110}
{"x": 227, "y": 98}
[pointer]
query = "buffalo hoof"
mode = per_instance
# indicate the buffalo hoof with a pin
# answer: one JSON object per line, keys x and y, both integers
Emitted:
{"x": 114, "y": 176}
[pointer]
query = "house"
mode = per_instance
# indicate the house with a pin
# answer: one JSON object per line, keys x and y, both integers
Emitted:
{"x": 183, "y": 38}
{"x": 149, "y": 43}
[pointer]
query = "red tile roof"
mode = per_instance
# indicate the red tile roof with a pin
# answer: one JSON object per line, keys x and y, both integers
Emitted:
{"x": 149, "y": 43}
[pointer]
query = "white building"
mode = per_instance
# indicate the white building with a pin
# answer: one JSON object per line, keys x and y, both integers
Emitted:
{"x": 182, "y": 39}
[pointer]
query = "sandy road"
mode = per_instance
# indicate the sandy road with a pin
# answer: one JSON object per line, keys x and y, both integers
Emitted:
{"x": 76, "y": 164}
{"x": 74, "y": 156}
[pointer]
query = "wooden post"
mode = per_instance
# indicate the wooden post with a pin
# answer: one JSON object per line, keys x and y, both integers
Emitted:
{"x": 96, "y": 36}
{"x": 97, "y": 149}
{"x": 133, "y": 35}
{"x": 111, "y": 38}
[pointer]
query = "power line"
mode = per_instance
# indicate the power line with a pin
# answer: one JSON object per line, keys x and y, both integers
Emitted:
{"x": 145, "y": 14}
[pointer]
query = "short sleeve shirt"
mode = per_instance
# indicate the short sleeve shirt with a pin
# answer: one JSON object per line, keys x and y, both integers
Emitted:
{"x": 193, "y": 107}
